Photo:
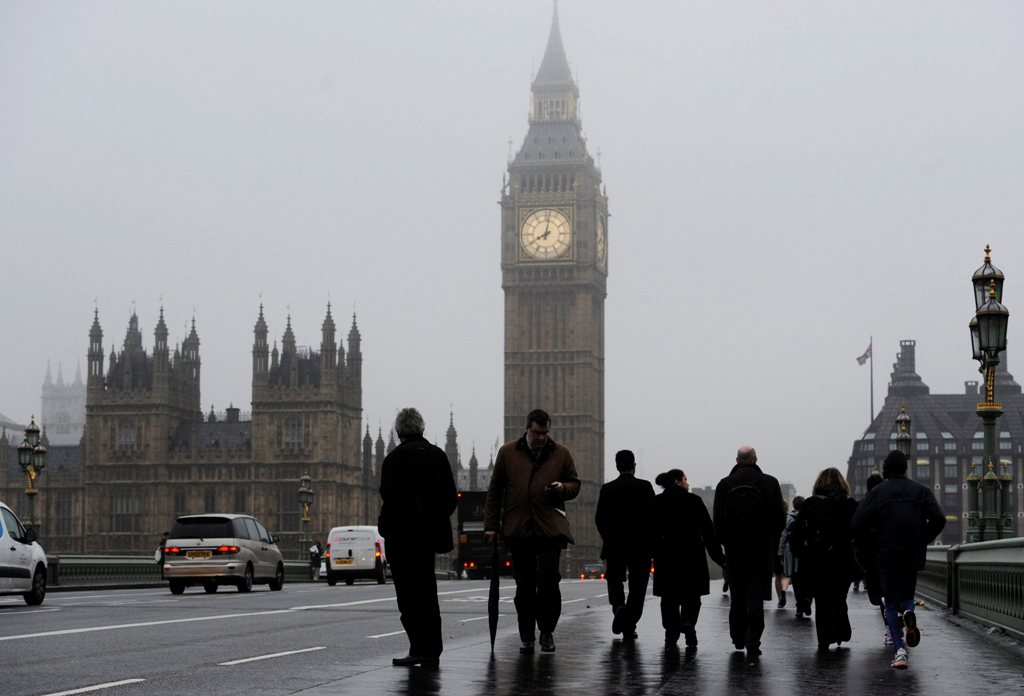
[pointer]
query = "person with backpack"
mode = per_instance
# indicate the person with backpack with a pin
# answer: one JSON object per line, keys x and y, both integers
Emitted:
{"x": 865, "y": 552}
{"x": 822, "y": 541}
{"x": 749, "y": 516}
{"x": 900, "y": 517}
{"x": 791, "y": 566}
{"x": 682, "y": 532}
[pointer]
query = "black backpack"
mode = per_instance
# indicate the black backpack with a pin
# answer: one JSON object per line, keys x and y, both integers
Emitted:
{"x": 744, "y": 515}
{"x": 816, "y": 530}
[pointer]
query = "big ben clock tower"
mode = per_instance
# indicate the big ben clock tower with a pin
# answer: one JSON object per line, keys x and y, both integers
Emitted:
{"x": 554, "y": 266}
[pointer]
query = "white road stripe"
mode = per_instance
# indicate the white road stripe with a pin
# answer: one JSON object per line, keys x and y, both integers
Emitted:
{"x": 385, "y": 635}
{"x": 98, "y": 687}
{"x": 272, "y": 655}
{"x": 479, "y": 618}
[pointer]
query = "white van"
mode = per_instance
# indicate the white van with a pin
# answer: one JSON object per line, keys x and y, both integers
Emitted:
{"x": 355, "y": 552}
{"x": 22, "y": 560}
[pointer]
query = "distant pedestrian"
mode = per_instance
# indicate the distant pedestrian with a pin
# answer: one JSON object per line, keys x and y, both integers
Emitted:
{"x": 900, "y": 518}
{"x": 159, "y": 555}
{"x": 418, "y": 496}
{"x": 622, "y": 518}
{"x": 749, "y": 519}
{"x": 314, "y": 558}
{"x": 532, "y": 478}
{"x": 791, "y": 564}
{"x": 780, "y": 588}
{"x": 683, "y": 532}
{"x": 821, "y": 539}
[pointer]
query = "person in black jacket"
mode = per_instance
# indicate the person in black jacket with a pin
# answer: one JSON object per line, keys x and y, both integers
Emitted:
{"x": 821, "y": 538}
{"x": 897, "y": 519}
{"x": 682, "y": 532}
{"x": 418, "y": 496}
{"x": 623, "y": 506}
{"x": 749, "y": 517}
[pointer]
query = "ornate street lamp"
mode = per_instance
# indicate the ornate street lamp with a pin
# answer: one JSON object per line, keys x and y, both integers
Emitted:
{"x": 903, "y": 439}
{"x": 305, "y": 500}
{"x": 988, "y": 340}
{"x": 32, "y": 458}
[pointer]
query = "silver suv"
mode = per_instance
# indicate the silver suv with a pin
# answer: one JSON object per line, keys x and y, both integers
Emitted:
{"x": 213, "y": 550}
{"x": 22, "y": 560}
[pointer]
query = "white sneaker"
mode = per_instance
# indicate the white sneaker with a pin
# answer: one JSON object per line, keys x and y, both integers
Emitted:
{"x": 887, "y": 638}
{"x": 901, "y": 661}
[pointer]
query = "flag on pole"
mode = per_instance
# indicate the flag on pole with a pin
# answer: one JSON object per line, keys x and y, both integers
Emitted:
{"x": 861, "y": 359}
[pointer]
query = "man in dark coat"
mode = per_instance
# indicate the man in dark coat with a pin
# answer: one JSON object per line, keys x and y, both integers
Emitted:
{"x": 418, "y": 497}
{"x": 898, "y": 518}
{"x": 749, "y": 517}
{"x": 532, "y": 478}
{"x": 623, "y": 506}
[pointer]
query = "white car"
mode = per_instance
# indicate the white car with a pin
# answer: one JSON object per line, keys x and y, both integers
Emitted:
{"x": 22, "y": 560}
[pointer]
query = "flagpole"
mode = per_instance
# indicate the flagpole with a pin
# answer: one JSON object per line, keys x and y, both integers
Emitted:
{"x": 871, "y": 372}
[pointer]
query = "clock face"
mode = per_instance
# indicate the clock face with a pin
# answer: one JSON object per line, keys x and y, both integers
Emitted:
{"x": 602, "y": 242}
{"x": 546, "y": 234}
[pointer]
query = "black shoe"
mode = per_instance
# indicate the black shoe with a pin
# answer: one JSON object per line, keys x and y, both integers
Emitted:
{"x": 753, "y": 654}
{"x": 913, "y": 636}
{"x": 547, "y": 642}
{"x": 691, "y": 635}
{"x": 782, "y": 602}
{"x": 619, "y": 620}
{"x": 527, "y": 647}
{"x": 671, "y": 637}
{"x": 413, "y": 660}
{"x": 628, "y": 636}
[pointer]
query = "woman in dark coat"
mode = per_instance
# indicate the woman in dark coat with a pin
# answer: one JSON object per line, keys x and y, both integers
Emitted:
{"x": 822, "y": 539}
{"x": 682, "y": 531}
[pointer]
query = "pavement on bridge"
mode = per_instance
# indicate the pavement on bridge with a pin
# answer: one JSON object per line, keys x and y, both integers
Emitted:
{"x": 955, "y": 657}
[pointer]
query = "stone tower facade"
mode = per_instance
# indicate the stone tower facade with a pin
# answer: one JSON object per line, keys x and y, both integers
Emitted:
{"x": 149, "y": 454}
{"x": 554, "y": 262}
{"x": 63, "y": 408}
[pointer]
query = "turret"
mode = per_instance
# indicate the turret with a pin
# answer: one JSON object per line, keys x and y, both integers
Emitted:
{"x": 451, "y": 447}
{"x": 328, "y": 349}
{"x": 161, "y": 354}
{"x": 260, "y": 350}
{"x": 95, "y": 359}
{"x": 354, "y": 368}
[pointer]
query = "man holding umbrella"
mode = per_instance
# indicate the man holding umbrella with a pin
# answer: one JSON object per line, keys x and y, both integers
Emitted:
{"x": 418, "y": 496}
{"x": 532, "y": 478}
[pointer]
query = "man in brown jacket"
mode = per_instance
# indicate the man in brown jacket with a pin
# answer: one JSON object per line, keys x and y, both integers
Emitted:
{"x": 533, "y": 477}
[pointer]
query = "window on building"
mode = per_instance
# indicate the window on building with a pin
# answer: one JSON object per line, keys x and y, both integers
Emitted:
{"x": 867, "y": 447}
{"x": 125, "y": 513}
{"x": 241, "y": 504}
{"x": 922, "y": 445}
{"x": 180, "y": 506}
{"x": 62, "y": 515}
{"x": 292, "y": 433}
{"x": 923, "y": 470}
{"x": 126, "y": 434}
{"x": 950, "y": 501}
{"x": 949, "y": 446}
{"x": 288, "y": 511}
{"x": 950, "y": 470}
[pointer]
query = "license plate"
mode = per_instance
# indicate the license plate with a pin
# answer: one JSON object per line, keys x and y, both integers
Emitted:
{"x": 198, "y": 554}
{"x": 342, "y": 561}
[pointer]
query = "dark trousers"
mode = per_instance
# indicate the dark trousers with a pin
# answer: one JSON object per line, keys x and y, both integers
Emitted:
{"x": 538, "y": 599}
{"x": 746, "y": 609}
{"x": 831, "y": 614}
{"x": 801, "y": 592}
{"x": 678, "y": 611}
{"x": 639, "y": 574}
{"x": 412, "y": 571}
{"x": 898, "y": 593}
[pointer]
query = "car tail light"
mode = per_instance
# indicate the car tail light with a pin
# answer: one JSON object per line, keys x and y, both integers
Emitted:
{"x": 582, "y": 576}
{"x": 173, "y": 551}
{"x": 225, "y": 550}
{"x": 327, "y": 553}
{"x": 602, "y": 576}
{"x": 508, "y": 564}
{"x": 376, "y": 546}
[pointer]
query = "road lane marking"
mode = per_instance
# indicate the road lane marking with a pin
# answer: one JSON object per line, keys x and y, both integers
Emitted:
{"x": 219, "y": 617}
{"x": 98, "y": 687}
{"x": 272, "y": 655}
{"x": 385, "y": 635}
{"x": 479, "y": 618}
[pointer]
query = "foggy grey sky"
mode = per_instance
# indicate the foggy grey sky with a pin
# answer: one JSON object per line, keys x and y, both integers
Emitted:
{"x": 785, "y": 180}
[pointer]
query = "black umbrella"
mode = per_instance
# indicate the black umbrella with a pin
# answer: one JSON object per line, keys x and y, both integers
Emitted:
{"x": 492, "y": 596}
